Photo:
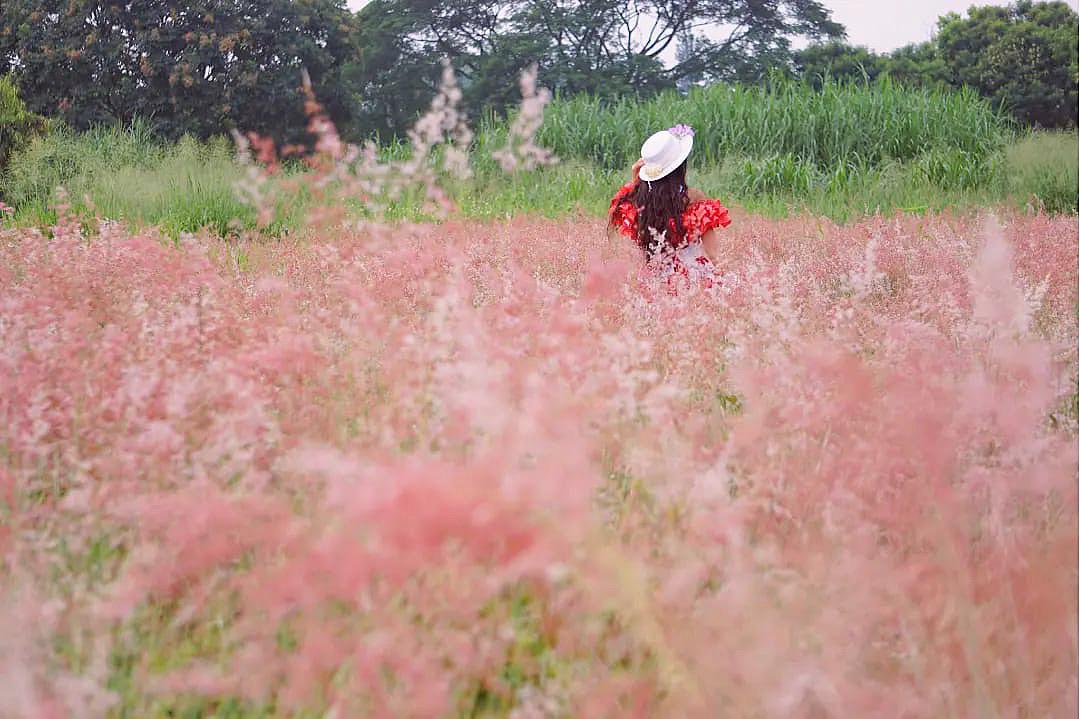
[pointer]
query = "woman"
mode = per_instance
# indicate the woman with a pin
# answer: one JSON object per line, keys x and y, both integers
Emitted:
{"x": 675, "y": 226}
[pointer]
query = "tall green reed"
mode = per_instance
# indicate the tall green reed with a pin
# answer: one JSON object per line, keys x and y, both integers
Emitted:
{"x": 854, "y": 124}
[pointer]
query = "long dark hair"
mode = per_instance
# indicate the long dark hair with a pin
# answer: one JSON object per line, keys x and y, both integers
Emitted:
{"x": 660, "y": 204}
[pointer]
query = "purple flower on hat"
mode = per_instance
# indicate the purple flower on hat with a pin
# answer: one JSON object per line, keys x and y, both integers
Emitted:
{"x": 681, "y": 130}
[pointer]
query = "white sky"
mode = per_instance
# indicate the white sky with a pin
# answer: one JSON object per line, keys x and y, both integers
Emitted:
{"x": 884, "y": 25}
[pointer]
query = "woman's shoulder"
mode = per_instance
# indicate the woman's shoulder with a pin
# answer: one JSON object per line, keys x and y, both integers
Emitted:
{"x": 705, "y": 213}
{"x": 623, "y": 194}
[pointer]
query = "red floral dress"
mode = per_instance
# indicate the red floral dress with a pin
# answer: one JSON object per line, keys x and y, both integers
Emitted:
{"x": 689, "y": 260}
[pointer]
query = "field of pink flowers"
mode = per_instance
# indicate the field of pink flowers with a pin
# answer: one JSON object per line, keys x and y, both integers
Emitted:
{"x": 473, "y": 470}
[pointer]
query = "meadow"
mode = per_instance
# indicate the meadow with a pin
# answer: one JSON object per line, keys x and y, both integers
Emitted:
{"x": 845, "y": 152}
{"x": 344, "y": 465}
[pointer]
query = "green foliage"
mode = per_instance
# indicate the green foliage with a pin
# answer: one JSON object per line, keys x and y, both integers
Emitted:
{"x": 784, "y": 173}
{"x": 17, "y": 124}
{"x": 387, "y": 84}
{"x": 1044, "y": 171}
{"x": 838, "y": 61}
{"x": 1023, "y": 57}
{"x": 840, "y": 123}
{"x": 1037, "y": 173}
{"x": 129, "y": 173}
{"x": 776, "y": 187}
{"x": 193, "y": 67}
{"x": 202, "y": 67}
{"x": 580, "y": 47}
{"x": 62, "y": 156}
{"x": 955, "y": 168}
{"x": 918, "y": 65}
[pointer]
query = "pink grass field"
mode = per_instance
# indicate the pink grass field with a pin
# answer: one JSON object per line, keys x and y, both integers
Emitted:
{"x": 488, "y": 470}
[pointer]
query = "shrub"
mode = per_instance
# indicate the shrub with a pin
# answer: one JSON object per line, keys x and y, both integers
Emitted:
{"x": 17, "y": 124}
{"x": 73, "y": 160}
{"x": 128, "y": 172}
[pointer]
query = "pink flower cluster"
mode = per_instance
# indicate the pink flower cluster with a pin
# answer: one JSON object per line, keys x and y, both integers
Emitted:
{"x": 421, "y": 471}
{"x": 521, "y": 151}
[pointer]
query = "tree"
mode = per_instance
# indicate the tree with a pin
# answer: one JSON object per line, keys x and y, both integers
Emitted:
{"x": 838, "y": 61}
{"x": 612, "y": 41}
{"x": 1023, "y": 57}
{"x": 685, "y": 50}
{"x": 195, "y": 67}
{"x": 401, "y": 43}
{"x": 918, "y": 65}
{"x": 605, "y": 47}
{"x": 17, "y": 124}
{"x": 386, "y": 81}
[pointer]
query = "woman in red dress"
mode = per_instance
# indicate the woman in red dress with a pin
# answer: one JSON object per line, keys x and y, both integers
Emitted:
{"x": 674, "y": 225}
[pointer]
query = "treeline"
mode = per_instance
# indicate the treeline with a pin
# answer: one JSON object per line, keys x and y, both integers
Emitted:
{"x": 1022, "y": 57}
{"x": 200, "y": 67}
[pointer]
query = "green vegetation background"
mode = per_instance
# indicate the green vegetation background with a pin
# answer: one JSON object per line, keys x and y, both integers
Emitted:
{"x": 202, "y": 73}
{"x": 841, "y": 150}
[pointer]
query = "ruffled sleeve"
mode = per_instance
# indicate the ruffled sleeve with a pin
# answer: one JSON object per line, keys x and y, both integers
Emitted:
{"x": 705, "y": 215}
{"x": 623, "y": 215}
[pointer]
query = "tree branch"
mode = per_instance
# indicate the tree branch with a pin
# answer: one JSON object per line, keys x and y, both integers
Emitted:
{"x": 674, "y": 25}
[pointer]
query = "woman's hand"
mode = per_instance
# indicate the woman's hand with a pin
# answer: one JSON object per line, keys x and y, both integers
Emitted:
{"x": 636, "y": 169}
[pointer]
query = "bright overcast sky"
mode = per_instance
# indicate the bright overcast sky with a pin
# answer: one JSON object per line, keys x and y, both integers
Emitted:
{"x": 884, "y": 25}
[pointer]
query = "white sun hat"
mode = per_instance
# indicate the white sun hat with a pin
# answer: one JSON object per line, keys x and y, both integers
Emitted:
{"x": 665, "y": 151}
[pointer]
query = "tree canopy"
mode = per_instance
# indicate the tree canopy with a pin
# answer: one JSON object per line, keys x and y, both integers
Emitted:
{"x": 604, "y": 47}
{"x": 198, "y": 66}
{"x": 1023, "y": 57}
{"x": 204, "y": 66}
{"x": 837, "y": 60}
